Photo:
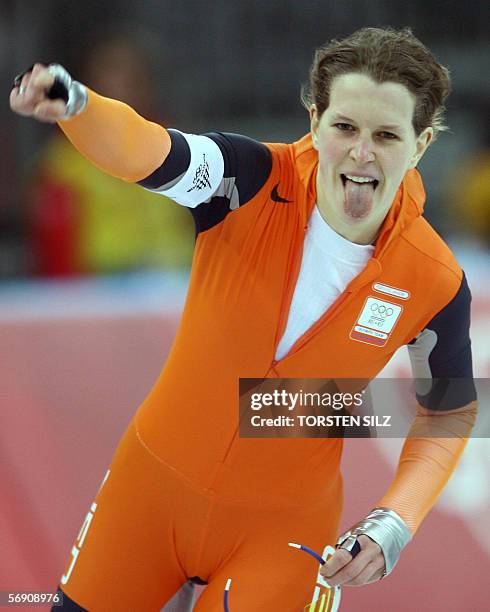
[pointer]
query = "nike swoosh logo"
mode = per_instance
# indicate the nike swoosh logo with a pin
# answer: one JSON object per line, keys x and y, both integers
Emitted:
{"x": 276, "y": 197}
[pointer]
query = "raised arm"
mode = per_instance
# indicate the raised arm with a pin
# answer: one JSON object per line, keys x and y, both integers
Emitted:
{"x": 109, "y": 133}
{"x": 189, "y": 169}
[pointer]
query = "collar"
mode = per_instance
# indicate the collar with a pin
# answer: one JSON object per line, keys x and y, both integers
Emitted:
{"x": 407, "y": 205}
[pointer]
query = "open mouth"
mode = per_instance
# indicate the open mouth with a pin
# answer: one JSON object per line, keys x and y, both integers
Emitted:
{"x": 359, "y": 194}
{"x": 372, "y": 182}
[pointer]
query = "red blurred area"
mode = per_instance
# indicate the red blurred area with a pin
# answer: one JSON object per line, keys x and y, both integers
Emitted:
{"x": 54, "y": 233}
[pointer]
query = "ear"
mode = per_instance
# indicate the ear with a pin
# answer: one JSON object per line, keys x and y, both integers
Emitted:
{"x": 423, "y": 141}
{"x": 314, "y": 122}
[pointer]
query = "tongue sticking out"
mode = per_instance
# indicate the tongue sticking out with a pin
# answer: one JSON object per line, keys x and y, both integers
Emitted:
{"x": 358, "y": 200}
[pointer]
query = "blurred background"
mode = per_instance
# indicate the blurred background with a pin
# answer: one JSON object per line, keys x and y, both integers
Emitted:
{"x": 93, "y": 272}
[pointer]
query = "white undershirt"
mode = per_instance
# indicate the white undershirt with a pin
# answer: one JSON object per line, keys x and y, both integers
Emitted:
{"x": 329, "y": 263}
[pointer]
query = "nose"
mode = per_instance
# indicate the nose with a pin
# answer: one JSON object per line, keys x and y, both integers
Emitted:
{"x": 363, "y": 149}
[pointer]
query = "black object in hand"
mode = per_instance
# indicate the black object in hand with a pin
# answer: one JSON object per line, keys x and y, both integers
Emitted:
{"x": 58, "y": 89}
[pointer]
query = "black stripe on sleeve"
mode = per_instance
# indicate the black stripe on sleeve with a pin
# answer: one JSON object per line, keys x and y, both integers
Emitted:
{"x": 446, "y": 346}
{"x": 246, "y": 159}
{"x": 247, "y": 166}
{"x": 175, "y": 164}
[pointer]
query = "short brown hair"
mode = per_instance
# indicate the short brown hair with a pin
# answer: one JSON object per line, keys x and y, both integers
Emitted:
{"x": 384, "y": 54}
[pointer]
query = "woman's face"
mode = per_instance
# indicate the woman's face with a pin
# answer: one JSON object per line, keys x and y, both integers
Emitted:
{"x": 366, "y": 143}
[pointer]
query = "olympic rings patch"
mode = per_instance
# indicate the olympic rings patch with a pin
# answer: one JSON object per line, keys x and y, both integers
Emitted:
{"x": 376, "y": 321}
{"x": 382, "y": 310}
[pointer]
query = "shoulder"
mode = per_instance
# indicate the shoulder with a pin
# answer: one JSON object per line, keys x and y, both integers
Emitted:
{"x": 422, "y": 237}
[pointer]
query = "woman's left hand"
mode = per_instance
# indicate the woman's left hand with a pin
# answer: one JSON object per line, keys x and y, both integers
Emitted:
{"x": 368, "y": 566}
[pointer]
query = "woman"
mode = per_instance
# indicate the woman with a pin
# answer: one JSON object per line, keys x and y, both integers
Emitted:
{"x": 296, "y": 244}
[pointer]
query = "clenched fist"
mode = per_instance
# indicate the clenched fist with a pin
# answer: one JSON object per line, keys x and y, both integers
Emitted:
{"x": 30, "y": 99}
{"x": 48, "y": 93}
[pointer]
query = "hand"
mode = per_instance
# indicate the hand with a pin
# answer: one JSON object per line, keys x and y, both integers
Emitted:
{"x": 29, "y": 98}
{"x": 368, "y": 566}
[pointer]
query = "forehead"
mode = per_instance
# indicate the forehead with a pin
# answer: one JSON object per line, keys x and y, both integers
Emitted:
{"x": 360, "y": 98}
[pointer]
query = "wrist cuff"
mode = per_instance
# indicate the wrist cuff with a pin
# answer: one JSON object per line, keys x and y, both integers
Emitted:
{"x": 76, "y": 92}
{"x": 387, "y": 529}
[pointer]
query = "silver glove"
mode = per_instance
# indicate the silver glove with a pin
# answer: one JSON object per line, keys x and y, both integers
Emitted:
{"x": 77, "y": 93}
{"x": 384, "y": 527}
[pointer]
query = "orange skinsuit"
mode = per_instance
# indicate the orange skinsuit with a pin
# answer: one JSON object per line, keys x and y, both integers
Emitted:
{"x": 185, "y": 496}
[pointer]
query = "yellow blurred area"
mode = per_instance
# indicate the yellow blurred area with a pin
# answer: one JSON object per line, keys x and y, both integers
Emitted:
{"x": 117, "y": 226}
{"x": 471, "y": 196}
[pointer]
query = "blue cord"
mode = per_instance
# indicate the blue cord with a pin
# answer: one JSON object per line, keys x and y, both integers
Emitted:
{"x": 311, "y": 552}
{"x": 225, "y": 595}
{"x": 320, "y": 560}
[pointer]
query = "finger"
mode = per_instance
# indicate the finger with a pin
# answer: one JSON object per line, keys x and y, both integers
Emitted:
{"x": 50, "y": 111}
{"x": 37, "y": 68}
{"x": 17, "y": 99}
{"x": 336, "y": 562}
{"x": 29, "y": 79}
{"x": 14, "y": 94}
{"x": 343, "y": 556}
{"x": 372, "y": 572}
{"x": 40, "y": 80}
{"x": 25, "y": 80}
{"x": 21, "y": 85}
{"x": 25, "y": 93}
{"x": 349, "y": 570}
{"x": 43, "y": 80}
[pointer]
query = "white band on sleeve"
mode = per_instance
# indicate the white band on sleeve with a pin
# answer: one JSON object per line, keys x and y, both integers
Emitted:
{"x": 204, "y": 175}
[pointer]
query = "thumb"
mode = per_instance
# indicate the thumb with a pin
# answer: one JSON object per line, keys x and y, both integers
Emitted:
{"x": 50, "y": 111}
{"x": 336, "y": 562}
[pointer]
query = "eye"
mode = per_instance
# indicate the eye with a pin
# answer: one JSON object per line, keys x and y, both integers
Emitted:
{"x": 388, "y": 135}
{"x": 344, "y": 127}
